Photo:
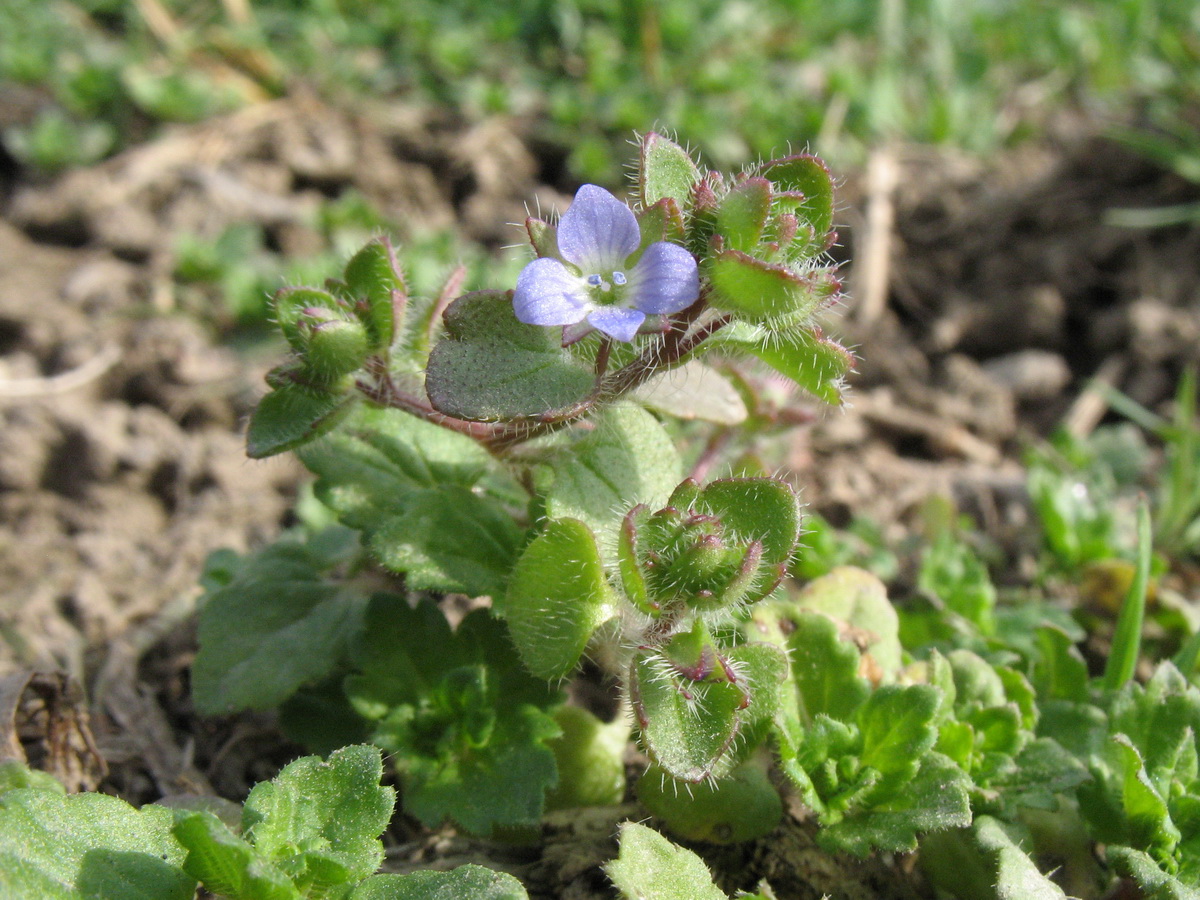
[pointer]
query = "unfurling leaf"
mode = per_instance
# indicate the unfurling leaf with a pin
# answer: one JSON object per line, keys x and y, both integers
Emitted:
{"x": 650, "y": 867}
{"x": 666, "y": 170}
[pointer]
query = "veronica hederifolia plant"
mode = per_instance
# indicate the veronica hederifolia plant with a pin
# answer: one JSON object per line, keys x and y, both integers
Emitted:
{"x": 491, "y": 443}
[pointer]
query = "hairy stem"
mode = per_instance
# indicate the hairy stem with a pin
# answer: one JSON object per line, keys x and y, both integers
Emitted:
{"x": 500, "y": 437}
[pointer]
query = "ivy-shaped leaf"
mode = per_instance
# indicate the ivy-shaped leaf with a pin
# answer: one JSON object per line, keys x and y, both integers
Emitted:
{"x": 228, "y": 865}
{"x": 627, "y": 459}
{"x": 450, "y": 539}
{"x": 1149, "y": 875}
{"x": 934, "y": 800}
{"x": 407, "y": 484}
{"x": 278, "y": 624}
{"x": 491, "y": 367}
{"x": 323, "y": 815}
{"x": 369, "y": 467}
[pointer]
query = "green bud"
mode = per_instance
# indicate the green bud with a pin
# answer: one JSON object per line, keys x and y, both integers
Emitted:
{"x": 336, "y": 346}
{"x": 661, "y": 222}
{"x": 712, "y": 548}
{"x": 685, "y": 494}
{"x": 695, "y": 657}
{"x": 293, "y": 305}
{"x": 804, "y": 188}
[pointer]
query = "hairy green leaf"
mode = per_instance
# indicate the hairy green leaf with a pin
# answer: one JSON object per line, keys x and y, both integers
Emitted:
{"x": 374, "y": 280}
{"x": 450, "y": 539}
{"x": 759, "y": 291}
{"x": 859, "y": 599}
{"x": 226, "y": 864}
{"x": 740, "y": 806}
{"x": 323, "y": 815}
{"x": 985, "y": 862}
{"x": 824, "y": 668}
{"x": 665, "y": 170}
{"x": 557, "y": 597}
{"x": 817, "y": 364}
{"x": 368, "y": 468}
{"x": 934, "y": 800}
{"x": 649, "y": 867}
{"x": 897, "y": 728}
{"x": 292, "y": 415}
{"x": 810, "y": 184}
{"x": 1149, "y": 875}
{"x": 687, "y": 726}
{"x": 591, "y": 760}
{"x": 87, "y": 846}
{"x": 491, "y": 367}
{"x": 469, "y": 882}
{"x": 501, "y": 784}
{"x": 465, "y": 725}
{"x": 276, "y": 625}
{"x": 406, "y": 483}
{"x": 627, "y": 459}
{"x": 742, "y": 214}
{"x": 1059, "y": 670}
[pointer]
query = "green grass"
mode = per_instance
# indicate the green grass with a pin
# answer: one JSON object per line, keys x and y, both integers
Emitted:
{"x": 740, "y": 79}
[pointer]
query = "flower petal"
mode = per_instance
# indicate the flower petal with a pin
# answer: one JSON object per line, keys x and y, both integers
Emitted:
{"x": 598, "y": 232}
{"x": 547, "y": 294}
{"x": 617, "y": 322}
{"x": 665, "y": 280}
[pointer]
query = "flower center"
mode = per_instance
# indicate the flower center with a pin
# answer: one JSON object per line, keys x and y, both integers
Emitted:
{"x": 606, "y": 291}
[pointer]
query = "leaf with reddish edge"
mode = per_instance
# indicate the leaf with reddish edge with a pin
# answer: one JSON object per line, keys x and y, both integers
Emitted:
{"x": 661, "y": 222}
{"x": 742, "y": 214}
{"x": 807, "y": 182}
{"x": 759, "y": 291}
{"x": 375, "y": 284}
{"x": 628, "y": 563}
{"x": 686, "y": 726}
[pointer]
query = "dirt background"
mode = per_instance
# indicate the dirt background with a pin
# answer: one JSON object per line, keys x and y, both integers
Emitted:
{"x": 984, "y": 298}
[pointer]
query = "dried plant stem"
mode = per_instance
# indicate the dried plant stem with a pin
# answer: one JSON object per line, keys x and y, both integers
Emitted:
{"x": 875, "y": 257}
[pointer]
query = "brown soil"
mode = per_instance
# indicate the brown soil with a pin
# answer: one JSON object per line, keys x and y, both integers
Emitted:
{"x": 121, "y": 463}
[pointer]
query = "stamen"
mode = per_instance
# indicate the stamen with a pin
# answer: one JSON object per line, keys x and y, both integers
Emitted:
{"x": 595, "y": 280}
{"x": 619, "y": 278}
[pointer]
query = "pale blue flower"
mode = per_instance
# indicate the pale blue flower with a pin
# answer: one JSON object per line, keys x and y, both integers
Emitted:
{"x": 597, "y": 236}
